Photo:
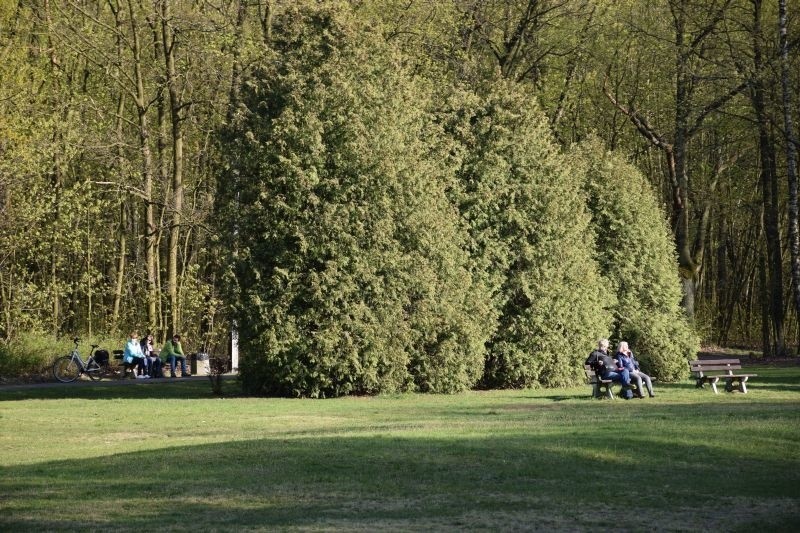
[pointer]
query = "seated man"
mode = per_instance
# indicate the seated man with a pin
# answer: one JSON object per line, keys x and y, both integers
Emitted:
{"x": 607, "y": 367}
{"x": 173, "y": 351}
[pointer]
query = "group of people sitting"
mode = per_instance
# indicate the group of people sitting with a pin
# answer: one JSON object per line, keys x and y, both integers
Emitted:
{"x": 621, "y": 368}
{"x": 149, "y": 362}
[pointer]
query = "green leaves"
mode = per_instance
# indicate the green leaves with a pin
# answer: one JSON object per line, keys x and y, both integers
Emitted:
{"x": 355, "y": 255}
{"x": 637, "y": 255}
{"x": 390, "y": 237}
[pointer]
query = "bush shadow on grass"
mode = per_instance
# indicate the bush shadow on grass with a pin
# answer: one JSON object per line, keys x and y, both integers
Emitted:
{"x": 391, "y": 482}
{"x": 194, "y": 388}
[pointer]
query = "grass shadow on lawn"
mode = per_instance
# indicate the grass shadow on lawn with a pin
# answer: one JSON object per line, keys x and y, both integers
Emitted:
{"x": 389, "y": 480}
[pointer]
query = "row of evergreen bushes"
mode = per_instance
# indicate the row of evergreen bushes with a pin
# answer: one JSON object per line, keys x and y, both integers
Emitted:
{"x": 390, "y": 232}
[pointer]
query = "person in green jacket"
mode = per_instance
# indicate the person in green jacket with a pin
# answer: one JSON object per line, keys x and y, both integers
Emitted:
{"x": 173, "y": 351}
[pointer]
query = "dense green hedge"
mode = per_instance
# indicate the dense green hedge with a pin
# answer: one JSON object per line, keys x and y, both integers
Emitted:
{"x": 523, "y": 204}
{"x": 390, "y": 232}
{"x": 351, "y": 271}
{"x": 637, "y": 255}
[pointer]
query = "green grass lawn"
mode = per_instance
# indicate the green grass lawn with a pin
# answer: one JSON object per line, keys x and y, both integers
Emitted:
{"x": 170, "y": 456}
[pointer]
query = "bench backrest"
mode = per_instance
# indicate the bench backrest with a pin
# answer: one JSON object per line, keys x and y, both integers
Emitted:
{"x": 590, "y": 374}
{"x": 715, "y": 365}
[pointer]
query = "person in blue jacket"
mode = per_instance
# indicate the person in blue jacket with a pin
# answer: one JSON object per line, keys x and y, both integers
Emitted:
{"x": 133, "y": 354}
{"x": 625, "y": 357}
{"x": 607, "y": 367}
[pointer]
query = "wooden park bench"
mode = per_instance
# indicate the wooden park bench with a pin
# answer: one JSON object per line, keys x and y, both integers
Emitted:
{"x": 727, "y": 369}
{"x": 125, "y": 366}
{"x": 601, "y": 388}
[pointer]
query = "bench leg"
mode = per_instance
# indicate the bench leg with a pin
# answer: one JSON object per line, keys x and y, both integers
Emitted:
{"x": 743, "y": 385}
{"x": 714, "y": 384}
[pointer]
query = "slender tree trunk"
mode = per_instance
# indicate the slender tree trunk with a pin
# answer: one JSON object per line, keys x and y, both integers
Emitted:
{"x": 236, "y": 68}
{"x": 265, "y": 14}
{"x": 769, "y": 190}
{"x": 168, "y": 42}
{"x": 163, "y": 180}
{"x": 56, "y": 182}
{"x": 142, "y": 106}
{"x": 764, "y": 299}
{"x": 791, "y": 156}
{"x": 689, "y": 267}
{"x": 120, "y": 162}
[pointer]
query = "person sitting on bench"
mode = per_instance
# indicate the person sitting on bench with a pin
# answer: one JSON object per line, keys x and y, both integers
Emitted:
{"x": 152, "y": 360}
{"x": 607, "y": 367}
{"x": 133, "y": 357}
{"x": 173, "y": 351}
{"x": 628, "y": 361}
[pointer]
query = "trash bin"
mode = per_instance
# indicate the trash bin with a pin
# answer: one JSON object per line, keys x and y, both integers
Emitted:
{"x": 200, "y": 364}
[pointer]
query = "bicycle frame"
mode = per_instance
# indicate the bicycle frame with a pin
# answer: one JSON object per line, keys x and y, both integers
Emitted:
{"x": 90, "y": 367}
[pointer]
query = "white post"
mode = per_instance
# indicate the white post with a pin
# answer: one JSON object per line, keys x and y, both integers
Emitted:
{"x": 234, "y": 349}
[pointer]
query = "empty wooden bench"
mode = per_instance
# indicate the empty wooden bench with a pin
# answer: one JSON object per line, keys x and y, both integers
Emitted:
{"x": 713, "y": 370}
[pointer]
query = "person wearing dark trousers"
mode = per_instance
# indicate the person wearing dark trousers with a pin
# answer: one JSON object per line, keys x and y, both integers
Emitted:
{"x": 152, "y": 360}
{"x": 133, "y": 357}
{"x": 606, "y": 366}
{"x": 173, "y": 353}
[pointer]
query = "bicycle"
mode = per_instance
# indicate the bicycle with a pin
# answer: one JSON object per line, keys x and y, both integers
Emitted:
{"x": 68, "y": 368}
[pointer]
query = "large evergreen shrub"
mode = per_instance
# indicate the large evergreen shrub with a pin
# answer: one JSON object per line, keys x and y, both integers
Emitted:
{"x": 531, "y": 240}
{"x": 349, "y": 273}
{"x": 637, "y": 255}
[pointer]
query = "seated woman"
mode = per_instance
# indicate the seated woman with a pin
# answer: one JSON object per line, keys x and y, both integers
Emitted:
{"x": 133, "y": 356}
{"x": 628, "y": 361}
{"x": 152, "y": 360}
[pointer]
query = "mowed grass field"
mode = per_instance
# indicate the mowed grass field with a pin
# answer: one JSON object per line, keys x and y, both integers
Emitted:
{"x": 171, "y": 457}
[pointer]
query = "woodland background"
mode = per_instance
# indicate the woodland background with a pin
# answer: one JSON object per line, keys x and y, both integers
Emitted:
{"x": 400, "y": 194}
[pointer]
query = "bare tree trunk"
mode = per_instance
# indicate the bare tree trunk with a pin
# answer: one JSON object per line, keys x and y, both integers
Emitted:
{"x": 764, "y": 298}
{"x": 689, "y": 119}
{"x": 791, "y": 156}
{"x": 769, "y": 190}
{"x": 236, "y": 70}
{"x": 265, "y": 14}
{"x": 142, "y": 107}
{"x": 168, "y": 42}
{"x": 572, "y": 65}
{"x": 120, "y": 161}
{"x": 57, "y": 184}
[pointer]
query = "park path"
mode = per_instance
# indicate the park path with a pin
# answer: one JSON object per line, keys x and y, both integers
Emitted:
{"x": 103, "y": 383}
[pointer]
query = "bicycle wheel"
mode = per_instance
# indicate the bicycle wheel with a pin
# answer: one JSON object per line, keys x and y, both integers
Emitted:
{"x": 66, "y": 369}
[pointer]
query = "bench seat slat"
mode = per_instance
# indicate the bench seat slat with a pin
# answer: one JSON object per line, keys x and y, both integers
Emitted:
{"x": 715, "y": 362}
{"x": 717, "y": 367}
